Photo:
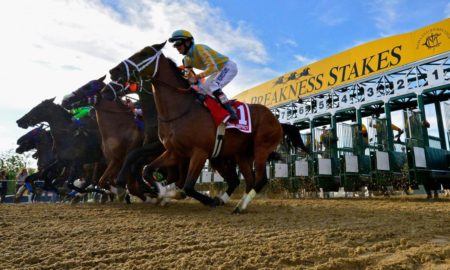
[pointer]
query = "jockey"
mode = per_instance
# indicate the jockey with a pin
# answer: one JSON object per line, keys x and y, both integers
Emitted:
{"x": 219, "y": 69}
{"x": 80, "y": 112}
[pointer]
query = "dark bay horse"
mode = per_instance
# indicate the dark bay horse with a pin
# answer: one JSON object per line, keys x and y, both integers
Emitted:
{"x": 40, "y": 140}
{"x": 117, "y": 126}
{"x": 72, "y": 146}
{"x": 187, "y": 129}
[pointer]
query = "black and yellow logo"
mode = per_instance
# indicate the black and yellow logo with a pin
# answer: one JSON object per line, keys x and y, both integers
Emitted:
{"x": 433, "y": 38}
{"x": 432, "y": 41}
{"x": 293, "y": 76}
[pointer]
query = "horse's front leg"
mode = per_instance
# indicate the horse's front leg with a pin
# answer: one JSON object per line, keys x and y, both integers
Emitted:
{"x": 245, "y": 166}
{"x": 195, "y": 167}
{"x": 166, "y": 159}
{"x": 75, "y": 170}
{"x": 227, "y": 169}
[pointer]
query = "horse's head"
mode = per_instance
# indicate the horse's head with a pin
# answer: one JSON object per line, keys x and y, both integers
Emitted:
{"x": 29, "y": 141}
{"x": 141, "y": 65}
{"x": 85, "y": 95}
{"x": 38, "y": 114}
{"x": 112, "y": 90}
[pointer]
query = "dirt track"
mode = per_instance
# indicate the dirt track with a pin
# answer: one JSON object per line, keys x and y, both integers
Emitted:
{"x": 298, "y": 234}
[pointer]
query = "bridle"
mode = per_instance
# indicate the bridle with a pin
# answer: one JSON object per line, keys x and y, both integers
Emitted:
{"x": 139, "y": 67}
{"x": 112, "y": 87}
{"x": 133, "y": 71}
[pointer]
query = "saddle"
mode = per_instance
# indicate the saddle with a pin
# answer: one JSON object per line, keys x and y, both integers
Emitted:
{"x": 220, "y": 115}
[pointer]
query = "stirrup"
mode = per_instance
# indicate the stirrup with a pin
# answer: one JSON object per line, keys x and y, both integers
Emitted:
{"x": 230, "y": 109}
{"x": 233, "y": 116}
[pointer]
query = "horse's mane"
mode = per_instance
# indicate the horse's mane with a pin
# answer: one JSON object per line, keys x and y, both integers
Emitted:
{"x": 176, "y": 70}
{"x": 67, "y": 116}
{"x": 48, "y": 136}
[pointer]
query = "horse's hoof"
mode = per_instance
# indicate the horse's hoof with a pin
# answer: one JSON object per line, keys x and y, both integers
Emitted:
{"x": 236, "y": 211}
{"x": 128, "y": 199}
{"x": 178, "y": 195}
{"x": 164, "y": 202}
{"x": 218, "y": 201}
{"x": 121, "y": 194}
{"x": 75, "y": 200}
{"x": 104, "y": 198}
{"x": 213, "y": 205}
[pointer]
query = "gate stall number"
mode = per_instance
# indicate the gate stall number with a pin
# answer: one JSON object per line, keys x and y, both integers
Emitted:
{"x": 435, "y": 77}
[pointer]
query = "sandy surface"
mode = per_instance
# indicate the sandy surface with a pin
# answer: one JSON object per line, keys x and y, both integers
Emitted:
{"x": 396, "y": 233}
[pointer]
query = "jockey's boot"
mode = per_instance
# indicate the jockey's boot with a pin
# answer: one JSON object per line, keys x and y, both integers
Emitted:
{"x": 220, "y": 96}
{"x": 230, "y": 109}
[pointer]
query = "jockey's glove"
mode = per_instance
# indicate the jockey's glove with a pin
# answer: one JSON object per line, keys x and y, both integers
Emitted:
{"x": 193, "y": 80}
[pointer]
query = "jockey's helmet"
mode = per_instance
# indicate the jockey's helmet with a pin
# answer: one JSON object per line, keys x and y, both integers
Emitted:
{"x": 180, "y": 35}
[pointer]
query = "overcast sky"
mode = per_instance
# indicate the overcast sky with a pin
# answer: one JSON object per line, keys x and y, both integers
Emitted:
{"x": 51, "y": 47}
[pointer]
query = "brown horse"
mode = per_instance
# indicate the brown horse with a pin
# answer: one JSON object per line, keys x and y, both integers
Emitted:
{"x": 117, "y": 127}
{"x": 187, "y": 129}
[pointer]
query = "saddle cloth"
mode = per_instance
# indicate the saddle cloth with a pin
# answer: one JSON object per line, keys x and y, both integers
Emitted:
{"x": 219, "y": 114}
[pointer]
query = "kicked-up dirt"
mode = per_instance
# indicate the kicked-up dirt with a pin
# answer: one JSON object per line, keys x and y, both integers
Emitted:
{"x": 378, "y": 233}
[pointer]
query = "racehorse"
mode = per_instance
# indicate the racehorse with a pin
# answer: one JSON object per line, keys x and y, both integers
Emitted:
{"x": 153, "y": 147}
{"x": 48, "y": 169}
{"x": 117, "y": 126}
{"x": 187, "y": 129}
{"x": 73, "y": 146}
{"x": 41, "y": 140}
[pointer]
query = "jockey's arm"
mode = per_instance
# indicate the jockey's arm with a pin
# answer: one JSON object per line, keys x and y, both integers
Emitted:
{"x": 82, "y": 112}
{"x": 211, "y": 66}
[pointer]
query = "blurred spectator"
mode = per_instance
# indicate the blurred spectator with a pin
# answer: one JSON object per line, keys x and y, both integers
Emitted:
{"x": 3, "y": 186}
{"x": 20, "y": 178}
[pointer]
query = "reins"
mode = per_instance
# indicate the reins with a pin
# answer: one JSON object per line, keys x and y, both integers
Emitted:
{"x": 177, "y": 117}
{"x": 112, "y": 111}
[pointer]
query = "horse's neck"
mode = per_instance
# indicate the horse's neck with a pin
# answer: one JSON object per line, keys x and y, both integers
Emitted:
{"x": 171, "y": 101}
{"x": 110, "y": 114}
{"x": 150, "y": 116}
{"x": 60, "y": 124}
{"x": 112, "y": 108}
{"x": 45, "y": 140}
{"x": 45, "y": 156}
{"x": 59, "y": 120}
{"x": 44, "y": 150}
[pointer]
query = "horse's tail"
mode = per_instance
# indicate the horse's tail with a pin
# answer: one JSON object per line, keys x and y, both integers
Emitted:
{"x": 135, "y": 159}
{"x": 274, "y": 156}
{"x": 292, "y": 137}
